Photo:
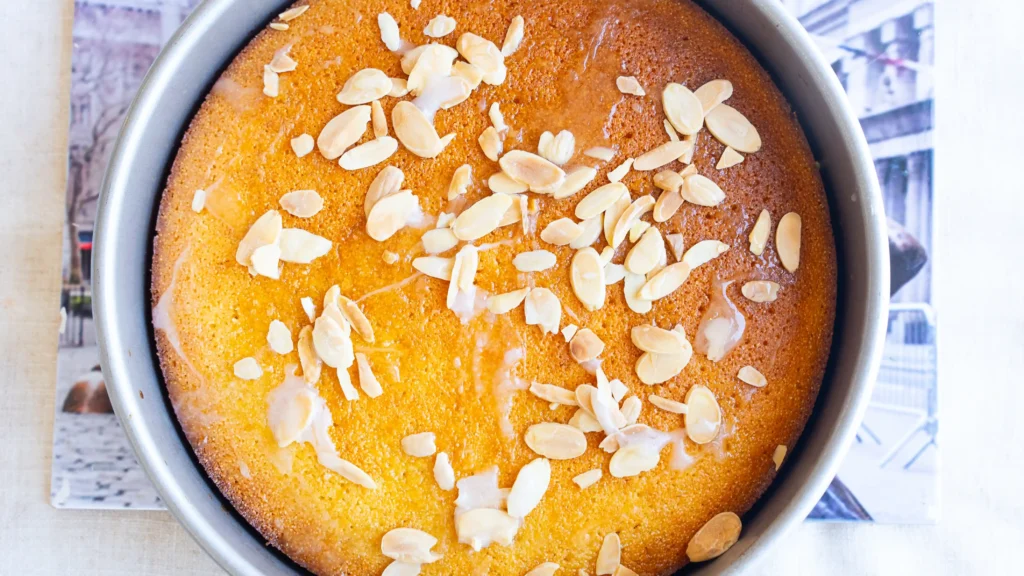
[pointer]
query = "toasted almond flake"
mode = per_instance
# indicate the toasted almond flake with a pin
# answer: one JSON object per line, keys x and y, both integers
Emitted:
{"x": 390, "y": 215}
{"x": 688, "y": 157}
{"x": 378, "y": 120}
{"x": 759, "y": 234}
{"x": 607, "y": 253}
{"x": 468, "y": 72}
{"x": 689, "y": 170}
{"x": 675, "y": 241}
{"x": 342, "y": 131}
{"x": 281, "y": 26}
{"x": 556, "y": 441}
{"x": 529, "y": 487}
{"x": 682, "y": 108}
{"x": 715, "y": 537}
{"x": 613, "y": 273}
{"x": 561, "y": 232}
{"x": 396, "y": 568}
{"x": 712, "y": 94}
{"x": 515, "y": 213}
{"x": 634, "y": 212}
{"x": 752, "y": 376}
{"x": 729, "y": 159}
{"x": 633, "y": 284}
{"x": 308, "y": 307}
{"x": 271, "y": 83}
{"x": 434, "y": 266}
{"x": 419, "y": 445}
{"x": 602, "y": 153}
{"x": 399, "y": 87}
{"x": 557, "y": 149}
{"x": 354, "y": 474}
{"x": 633, "y": 459}
{"x": 369, "y": 153}
{"x": 503, "y": 303}
{"x": 667, "y": 205}
{"x": 621, "y": 570}
{"x": 569, "y": 331}
{"x": 490, "y": 143}
{"x": 661, "y": 155}
{"x": 483, "y": 54}
{"x": 588, "y": 478}
{"x": 575, "y": 180}
{"x": 367, "y": 381}
{"x": 778, "y": 456}
{"x": 293, "y": 13}
{"x": 387, "y": 183}
{"x": 732, "y": 128}
{"x": 665, "y": 282}
{"x": 647, "y": 253}
{"x": 667, "y": 405}
{"x": 282, "y": 62}
{"x": 513, "y": 37}
{"x": 637, "y": 230}
{"x": 703, "y": 416}
{"x": 629, "y": 85}
{"x": 332, "y": 344}
{"x": 439, "y": 26}
{"x": 415, "y": 131}
{"x": 585, "y": 422}
{"x": 355, "y": 316}
{"x": 470, "y": 262}
{"x": 389, "y": 31}
{"x": 302, "y": 145}
{"x": 308, "y": 360}
{"x": 600, "y": 199}
{"x": 590, "y": 231}
{"x": 703, "y": 252}
{"x": 585, "y": 346}
{"x": 409, "y": 545}
{"x": 265, "y": 260}
{"x": 532, "y": 170}
{"x": 501, "y": 183}
{"x": 609, "y": 555}
{"x": 198, "y": 201}
{"x": 444, "y": 474}
{"x": 672, "y": 134}
{"x": 760, "y": 291}
{"x": 302, "y": 203}
{"x": 631, "y": 409}
{"x": 612, "y": 216}
{"x": 497, "y": 119}
{"x": 534, "y": 261}
{"x": 481, "y": 527}
{"x": 701, "y": 191}
{"x": 787, "y": 241}
{"x": 658, "y": 340}
{"x": 620, "y": 171}
{"x": 586, "y": 274}
{"x": 481, "y": 218}
{"x": 439, "y": 240}
{"x": 302, "y": 247}
{"x": 434, "y": 62}
{"x": 248, "y": 369}
{"x": 547, "y": 568}
{"x": 543, "y": 309}
{"x": 668, "y": 180}
{"x": 445, "y": 220}
{"x": 654, "y": 368}
{"x": 554, "y": 394}
{"x": 364, "y": 87}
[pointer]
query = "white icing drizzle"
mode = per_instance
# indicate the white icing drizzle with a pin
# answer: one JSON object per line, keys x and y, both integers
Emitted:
{"x": 439, "y": 89}
{"x": 721, "y": 328}
{"x": 163, "y": 315}
{"x": 390, "y": 287}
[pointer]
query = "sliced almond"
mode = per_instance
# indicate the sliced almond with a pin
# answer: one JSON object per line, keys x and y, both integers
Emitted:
{"x": 633, "y": 284}
{"x": 293, "y": 13}
{"x": 481, "y": 527}
{"x": 364, "y": 87}
{"x": 399, "y": 87}
{"x": 668, "y": 180}
{"x": 778, "y": 456}
{"x": 419, "y": 445}
{"x": 585, "y": 422}
{"x": 387, "y": 182}
{"x": 378, "y": 120}
{"x": 308, "y": 307}
{"x": 439, "y": 240}
{"x": 607, "y": 253}
{"x": 667, "y": 405}
{"x": 613, "y": 273}
{"x": 622, "y": 571}
{"x": 599, "y": 200}
{"x": 732, "y": 128}
{"x": 389, "y": 31}
{"x": 302, "y": 247}
{"x": 490, "y": 143}
{"x": 534, "y": 261}
{"x": 367, "y": 381}
{"x": 557, "y": 149}
{"x": 667, "y": 205}
{"x": 368, "y": 154}
{"x": 689, "y": 170}
{"x": 682, "y": 108}
{"x": 672, "y": 134}
{"x": 637, "y": 230}
{"x": 390, "y": 215}
{"x": 661, "y": 155}
{"x": 585, "y": 346}
{"x": 513, "y": 37}
{"x": 590, "y": 231}
{"x": 554, "y": 394}
{"x": 342, "y": 131}
{"x": 302, "y": 203}
{"x": 467, "y": 273}
{"x": 676, "y": 242}
{"x": 647, "y": 253}
{"x": 355, "y": 316}
{"x": 265, "y": 230}
{"x": 444, "y": 474}
{"x": 602, "y": 153}
{"x": 760, "y": 291}
{"x": 468, "y": 72}
{"x": 302, "y": 144}
{"x": 629, "y": 85}
{"x": 609, "y": 556}
{"x": 701, "y": 191}
{"x": 631, "y": 409}
{"x": 633, "y": 460}
{"x": 198, "y": 201}
{"x": 310, "y": 362}
{"x": 532, "y": 170}
{"x": 502, "y": 303}
{"x": 411, "y": 57}
{"x": 658, "y": 340}
{"x": 703, "y": 416}
{"x": 409, "y": 545}
{"x": 282, "y": 62}
{"x": 575, "y": 180}
{"x": 561, "y": 232}
{"x": 501, "y": 183}
{"x": 434, "y": 62}
{"x": 787, "y": 241}
{"x": 331, "y": 343}
{"x": 556, "y": 441}
{"x": 265, "y": 261}
{"x": 714, "y": 537}
{"x": 654, "y": 368}
{"x": 271, "y": 83}
{"x": 481, "y": 218}
{"x": 483, "y": 54}
{"x": 415, "y": 130}
{"x": 620, "y": 171}
{"x": 634, "y": 212}
{"x": 759, "y": 234}
{"x": 752, "y": 376}
{"x": 543, "y": 309}
{"x": 586, "y": 274}
{"x": 569, "y": 331}
{"x": 588, "y": 478}
{"x": 712, "y": 94}
{"x": 439, "y": 26}
{"x": 434, "y": 266}
{"x": 281, "y": 26}
{"x": 703, "y": 252}
{"x": 529, "y": 487}
{"x": 248, "y": 369}
{"x": 612, "y": 216}
{"x": 729, "y": 159}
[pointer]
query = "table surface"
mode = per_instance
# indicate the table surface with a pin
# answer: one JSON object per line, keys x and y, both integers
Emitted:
{"x": 979, "y": 78}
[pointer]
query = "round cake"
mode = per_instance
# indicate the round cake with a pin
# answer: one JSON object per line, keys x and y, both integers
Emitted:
{"x": 494, "y": 288}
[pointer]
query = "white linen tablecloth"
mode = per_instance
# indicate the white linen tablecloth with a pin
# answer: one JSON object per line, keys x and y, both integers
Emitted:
{"x": 979, "y": 294}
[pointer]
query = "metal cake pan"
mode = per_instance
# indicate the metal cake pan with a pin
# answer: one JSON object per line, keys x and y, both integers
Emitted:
{"x": 179, "y": 80}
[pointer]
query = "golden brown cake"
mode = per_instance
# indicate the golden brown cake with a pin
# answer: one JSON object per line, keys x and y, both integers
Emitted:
{"x": 336, "y": 420}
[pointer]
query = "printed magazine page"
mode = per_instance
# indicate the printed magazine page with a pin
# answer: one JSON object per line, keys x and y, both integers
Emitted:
{"x": 881, "y": 50}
